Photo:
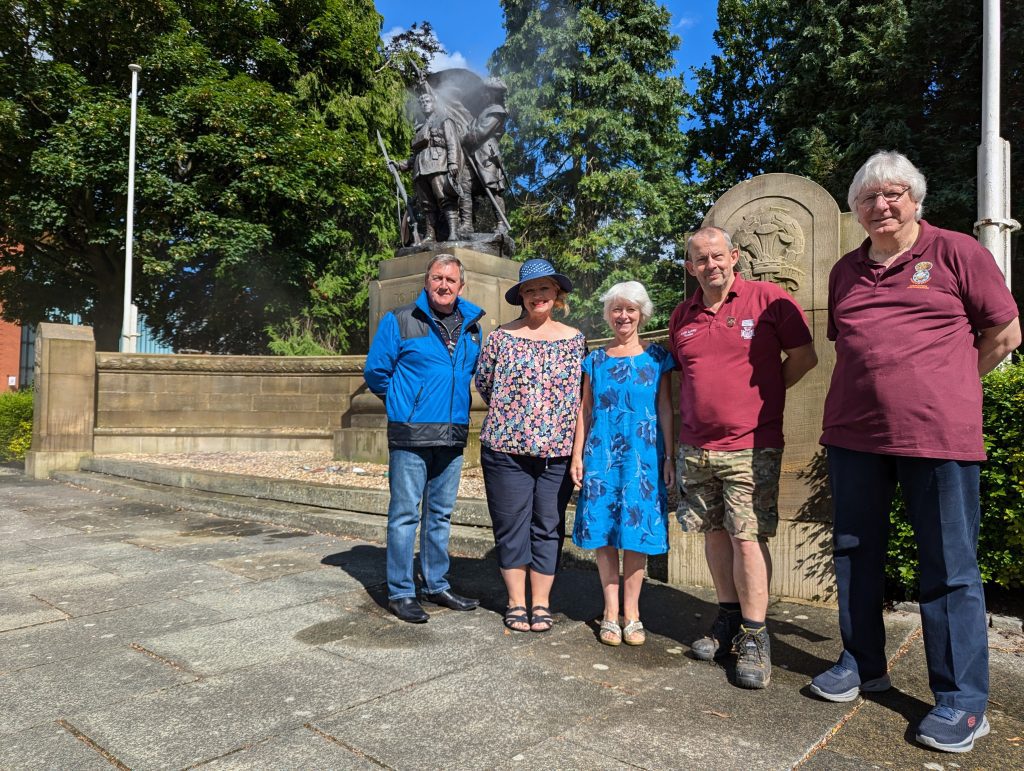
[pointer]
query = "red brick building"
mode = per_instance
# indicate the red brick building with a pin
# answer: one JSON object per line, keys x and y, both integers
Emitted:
{"x": 10, "y": 356}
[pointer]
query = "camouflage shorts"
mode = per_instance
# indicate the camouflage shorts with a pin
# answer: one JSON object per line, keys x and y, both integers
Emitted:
{"x": 737, "y": 491}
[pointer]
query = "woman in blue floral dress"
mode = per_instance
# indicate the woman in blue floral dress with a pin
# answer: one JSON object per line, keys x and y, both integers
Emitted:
{"x": 622, "y": 461}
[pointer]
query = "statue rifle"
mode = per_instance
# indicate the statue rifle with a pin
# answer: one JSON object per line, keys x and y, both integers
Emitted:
{"x": 494, "y": 203}
{"x": 409, "y": 213}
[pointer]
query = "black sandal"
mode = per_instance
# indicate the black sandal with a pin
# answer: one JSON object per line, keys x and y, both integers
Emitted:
{"x": 516, "y": 614}
{"x": 541, "y": 615}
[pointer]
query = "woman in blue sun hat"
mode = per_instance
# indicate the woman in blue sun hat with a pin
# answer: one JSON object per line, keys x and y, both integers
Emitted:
{"x": 529, "y": 375}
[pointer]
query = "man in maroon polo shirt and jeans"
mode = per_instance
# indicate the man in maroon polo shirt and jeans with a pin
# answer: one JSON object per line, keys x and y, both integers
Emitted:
{"x": 917, "y": 314}
{"x": 729, "y": 338}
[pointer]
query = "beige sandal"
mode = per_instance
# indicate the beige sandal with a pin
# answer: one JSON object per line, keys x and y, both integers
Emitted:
{"x": 611, "y": 633}
{"x": 633, "y": 633}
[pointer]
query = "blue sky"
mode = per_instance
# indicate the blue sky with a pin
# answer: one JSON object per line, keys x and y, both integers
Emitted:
{"x": 471, "y": 29}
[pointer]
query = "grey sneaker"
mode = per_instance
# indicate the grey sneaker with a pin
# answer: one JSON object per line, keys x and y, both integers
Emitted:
{"x": 716, "y": 643}
{"x": 952, "y": 730}
{"x": 753, "y": 658}
{"x": 843, "y": 684}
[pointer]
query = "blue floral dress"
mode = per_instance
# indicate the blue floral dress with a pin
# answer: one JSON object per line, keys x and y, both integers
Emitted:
{"x": 623, "y": 501}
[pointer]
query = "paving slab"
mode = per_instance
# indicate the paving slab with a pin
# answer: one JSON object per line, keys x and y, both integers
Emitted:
{"x": 303, "y": 750}
{"x": 47, "y": 747}
{"x": 76, "y": 637}
{"x": 218, "y": 648}
{"x": 23, "y": 611}
{"x": 207, "y": 719}
{"x": 476, "y": 718}
{"x": 99, "y": 593}
{"x": 54, "y": 691}
{"x": 294, "y": 589}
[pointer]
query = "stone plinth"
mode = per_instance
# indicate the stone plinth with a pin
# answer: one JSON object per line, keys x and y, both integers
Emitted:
{"x": 789, "y": 230}
{"x": 64, "y": 401}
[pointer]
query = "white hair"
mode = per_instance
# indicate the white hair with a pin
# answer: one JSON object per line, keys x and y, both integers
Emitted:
{"x": 632, "y": 292}
{"x": 888, "y": 167}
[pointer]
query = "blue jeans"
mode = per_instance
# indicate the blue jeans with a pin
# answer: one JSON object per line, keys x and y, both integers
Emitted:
{"x": 429, "y": 475}
{"x": 943, "y": 507}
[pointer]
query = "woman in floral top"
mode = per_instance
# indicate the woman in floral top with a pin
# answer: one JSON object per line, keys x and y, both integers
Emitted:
{"x": 529, "y": 375}
{"x": 622, "y": 458}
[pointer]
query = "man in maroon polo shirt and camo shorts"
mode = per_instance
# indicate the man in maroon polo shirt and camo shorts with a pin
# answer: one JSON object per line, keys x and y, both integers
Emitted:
{"x": 728, "y": 339}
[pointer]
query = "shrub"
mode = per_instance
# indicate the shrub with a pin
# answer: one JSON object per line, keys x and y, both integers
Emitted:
{"x": 15, "y": 424}
{"x": 1001, "y": 543}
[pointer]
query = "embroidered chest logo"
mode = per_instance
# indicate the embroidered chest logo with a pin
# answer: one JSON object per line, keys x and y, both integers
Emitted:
{"x": 747, "y": 329}
{"x": 688, "y": 332}
{"x": 922, "y": 275}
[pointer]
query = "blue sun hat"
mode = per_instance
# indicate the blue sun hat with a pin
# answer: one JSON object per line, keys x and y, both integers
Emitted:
{"x": 536, "y": 268}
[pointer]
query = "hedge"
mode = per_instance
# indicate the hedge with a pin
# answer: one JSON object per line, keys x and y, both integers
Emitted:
{"x": 1001, "y": 543}
{"x": 15, "y": 424}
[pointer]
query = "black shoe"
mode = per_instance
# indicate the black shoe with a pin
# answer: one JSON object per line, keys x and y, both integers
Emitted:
{"x": 407, "y": 609}
{"x": 450, "y": 599}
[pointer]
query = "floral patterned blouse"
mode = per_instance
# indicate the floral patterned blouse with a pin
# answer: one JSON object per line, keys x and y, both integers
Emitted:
{"x": 532, "y": 388}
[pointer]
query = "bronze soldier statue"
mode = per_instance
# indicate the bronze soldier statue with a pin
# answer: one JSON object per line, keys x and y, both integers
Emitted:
{"x": 437, "y": 167}
{"x": 482, "y": 143}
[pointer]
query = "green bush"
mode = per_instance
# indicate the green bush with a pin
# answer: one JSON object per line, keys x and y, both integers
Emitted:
{"x": 15, "y": 424}
{"x": 1001, "y": 543}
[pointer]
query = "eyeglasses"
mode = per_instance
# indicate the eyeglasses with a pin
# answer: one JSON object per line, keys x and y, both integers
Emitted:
{"x": 889, "y": 196}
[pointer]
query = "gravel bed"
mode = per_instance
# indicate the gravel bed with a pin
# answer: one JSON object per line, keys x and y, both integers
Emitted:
{"x": 301, "y": 466}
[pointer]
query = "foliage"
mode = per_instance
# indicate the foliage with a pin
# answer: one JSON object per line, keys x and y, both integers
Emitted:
{"x": 1001, "y": 543}
{"x": 813, "y": 87}
{"x": 260, "y": 196}
{"x": 15, "y": 424}
{"x": 593, "y": 144}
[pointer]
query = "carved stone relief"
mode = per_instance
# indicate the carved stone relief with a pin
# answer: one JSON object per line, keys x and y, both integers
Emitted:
{"x": 771, "y": 243}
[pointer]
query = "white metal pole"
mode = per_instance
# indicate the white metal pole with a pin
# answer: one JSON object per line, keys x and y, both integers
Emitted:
{"x": 994, "y": 225}
{"x": 126, "y": 313}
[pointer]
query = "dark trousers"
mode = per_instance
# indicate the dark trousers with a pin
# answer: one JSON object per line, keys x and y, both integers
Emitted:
{"x": 942, "y": 500}
{"x": 527, "y": 498}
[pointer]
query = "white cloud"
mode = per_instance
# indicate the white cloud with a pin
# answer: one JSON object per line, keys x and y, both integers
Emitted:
{"x": 394, "y": 31}
{"x": 441, "y": 61}
{"x": 685, "y": 22}
{"x": 448, "y": 61}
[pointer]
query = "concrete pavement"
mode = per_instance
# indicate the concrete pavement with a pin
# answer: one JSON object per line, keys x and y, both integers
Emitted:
{"x": 144, "y": 635}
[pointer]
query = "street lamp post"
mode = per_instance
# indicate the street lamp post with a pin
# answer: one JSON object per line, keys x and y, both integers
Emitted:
{"x": 994, "y": 224}
{"x": 128, "y": 331}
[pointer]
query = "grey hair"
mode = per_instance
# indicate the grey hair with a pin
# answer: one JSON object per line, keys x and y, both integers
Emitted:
{"x": 707, "y": 231}
{"x": 446, "y": 259}
{"x": 888, "y": 167}
{"x": 632, "y": 292}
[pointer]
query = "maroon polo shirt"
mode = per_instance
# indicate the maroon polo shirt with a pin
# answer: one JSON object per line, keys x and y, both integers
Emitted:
{"x": 731, "y": 392}
{"x": 906, "y": 377}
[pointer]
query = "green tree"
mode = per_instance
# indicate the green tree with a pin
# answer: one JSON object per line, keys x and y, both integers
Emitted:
{"x": 593, "y": 142}
{"x": 814, "y": 87}
{"x": 261, "y": 202}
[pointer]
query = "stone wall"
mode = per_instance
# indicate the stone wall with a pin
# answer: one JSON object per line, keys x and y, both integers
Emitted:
{"x": 154, "y": 403}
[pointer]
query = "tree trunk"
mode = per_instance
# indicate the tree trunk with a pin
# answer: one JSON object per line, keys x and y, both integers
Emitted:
{"x": 107, "y": 317}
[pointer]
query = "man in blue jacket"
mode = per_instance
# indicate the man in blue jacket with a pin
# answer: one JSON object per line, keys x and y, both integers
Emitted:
{"x": 421, "y": 363}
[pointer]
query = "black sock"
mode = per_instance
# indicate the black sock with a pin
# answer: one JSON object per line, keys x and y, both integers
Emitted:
{"x": 730, "y": 607}
{"x": 752, "y": 626}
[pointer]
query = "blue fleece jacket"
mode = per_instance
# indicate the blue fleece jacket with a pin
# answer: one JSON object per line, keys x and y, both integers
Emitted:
{"x": 424, "y": 387}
